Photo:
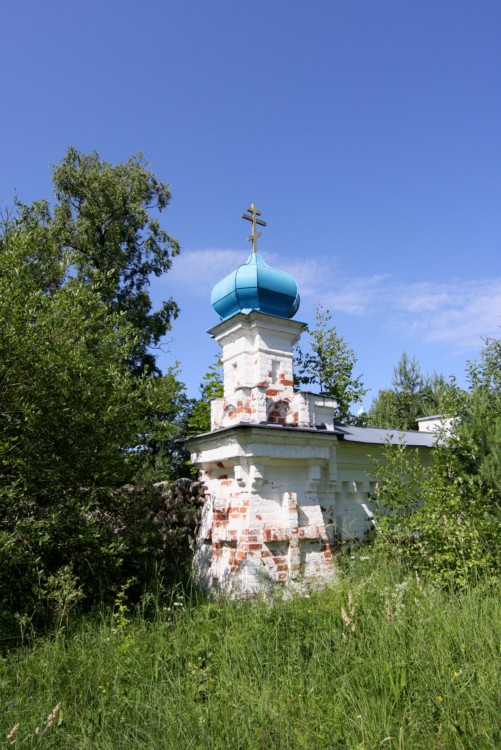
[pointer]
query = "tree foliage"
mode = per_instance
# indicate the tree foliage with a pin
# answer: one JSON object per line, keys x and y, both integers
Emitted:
{"x": 211, "y": 387}
{"x": 412, "y": 396}
{"x": 328, "y": 364}
{"x": 80, "y": 396}
{"x": 446, "y": 520}
{"x": 481, "y": 420}
{"x": 105, "y": 223}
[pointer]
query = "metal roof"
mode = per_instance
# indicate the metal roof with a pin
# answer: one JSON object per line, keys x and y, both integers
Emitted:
{"x": 256, "y": 286}
{"x": 382, "y": 435}
{"x": 348, "y": 433}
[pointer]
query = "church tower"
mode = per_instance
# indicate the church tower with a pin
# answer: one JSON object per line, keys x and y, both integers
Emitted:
{"x": 269, "y": 462}
{"x": 284, "y": 483}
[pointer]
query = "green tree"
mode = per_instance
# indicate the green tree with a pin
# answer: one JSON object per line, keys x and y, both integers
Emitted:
{"x": 78, "y": 405}
{"x": 211, "y": 387}
{"x": 383, "y": 411}
{"x": 413, "y": 395}
{"x": 446, "y": 520}
{"x": 480, "y": 420}
{"x": 105, "y": 221}
{"x": 328, "y": 364}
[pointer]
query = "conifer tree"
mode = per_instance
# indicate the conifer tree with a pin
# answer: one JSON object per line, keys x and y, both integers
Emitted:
{"x": 328, "y": 364}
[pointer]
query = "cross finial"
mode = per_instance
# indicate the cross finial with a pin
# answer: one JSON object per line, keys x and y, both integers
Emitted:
{"x": 254, "y": 213}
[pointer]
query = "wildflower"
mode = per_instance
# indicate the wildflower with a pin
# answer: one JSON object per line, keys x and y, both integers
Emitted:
{"x": 440, "y": 698}
{"x": 346, "y": 620}
{"x": 53, "y": 714}
{"x": 11, "y": 734}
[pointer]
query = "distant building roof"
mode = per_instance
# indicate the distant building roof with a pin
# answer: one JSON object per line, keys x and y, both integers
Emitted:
{"x": 348, "y": 433}
{"x": 381, "y": 435}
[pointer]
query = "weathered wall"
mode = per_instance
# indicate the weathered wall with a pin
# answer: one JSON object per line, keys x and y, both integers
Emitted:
{"x": 283, "y": 486}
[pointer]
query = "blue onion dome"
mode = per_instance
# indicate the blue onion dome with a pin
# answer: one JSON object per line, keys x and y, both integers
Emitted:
{"x": 256, "y": 286}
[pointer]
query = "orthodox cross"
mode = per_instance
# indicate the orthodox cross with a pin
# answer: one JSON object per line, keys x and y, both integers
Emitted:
{"x": 254, "y": 213}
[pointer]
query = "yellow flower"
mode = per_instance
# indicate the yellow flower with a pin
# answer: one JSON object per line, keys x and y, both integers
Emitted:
{"x": 440, "y": 698}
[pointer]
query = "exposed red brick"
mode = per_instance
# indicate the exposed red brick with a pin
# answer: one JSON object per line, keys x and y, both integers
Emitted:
{"x": 272, "y": 392}
{"x": 226, "y": 482}
{"x": 223, "y": 476}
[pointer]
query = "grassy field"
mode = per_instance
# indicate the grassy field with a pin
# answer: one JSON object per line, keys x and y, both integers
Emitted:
{"x": 382, "y": 660}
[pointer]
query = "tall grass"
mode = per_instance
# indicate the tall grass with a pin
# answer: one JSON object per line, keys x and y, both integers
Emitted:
{"x": 381, "y": 660}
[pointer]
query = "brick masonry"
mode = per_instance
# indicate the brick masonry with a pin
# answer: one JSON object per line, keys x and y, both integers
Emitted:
{"x": 269, "y": 518}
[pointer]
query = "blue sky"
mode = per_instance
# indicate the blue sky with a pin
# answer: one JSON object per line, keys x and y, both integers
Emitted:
{"x": 367, "y": 132}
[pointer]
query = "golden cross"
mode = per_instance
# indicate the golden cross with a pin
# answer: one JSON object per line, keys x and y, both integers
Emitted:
{"x": 254, "y": 213}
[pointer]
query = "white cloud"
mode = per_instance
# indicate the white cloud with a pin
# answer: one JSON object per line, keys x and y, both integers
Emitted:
{"x": 199, "y": 270}
{"x": 457, "y": 312}
{"x": 472, "y": 310}
{"x": 360, "y": 295}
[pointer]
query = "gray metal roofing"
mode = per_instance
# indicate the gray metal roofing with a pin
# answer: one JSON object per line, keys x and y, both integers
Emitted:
{"x": 349, "y": 433}
{"x": 381, "y": 435}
